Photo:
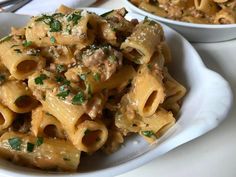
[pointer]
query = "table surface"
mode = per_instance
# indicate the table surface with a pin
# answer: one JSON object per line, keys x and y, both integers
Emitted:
{"x": 211, "y": 155}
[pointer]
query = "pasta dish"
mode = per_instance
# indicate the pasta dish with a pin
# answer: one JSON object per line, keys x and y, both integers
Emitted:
{"x": 192, "y": 11}
{"x": 74, "y": 82}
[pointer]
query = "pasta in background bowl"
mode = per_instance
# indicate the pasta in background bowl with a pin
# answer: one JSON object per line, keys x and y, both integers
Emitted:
{"x": 193, "y": 30}
{"x": 194, "y": 119}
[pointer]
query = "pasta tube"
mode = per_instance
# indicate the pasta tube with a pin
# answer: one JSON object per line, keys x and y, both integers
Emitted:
{"x": 153, "y": 9}
{"x": 45, "y": 124}
{"x": 90, "y": 136}
{"x": 207, "y": 6}
{"x": 143, "y": 42}
{"x": 174, "y": 92}
{"x": 148, "y": 92}
{"x": 17, "y": 96}
{"x": 225, "y": 16}
{"x": 77, "y": 27}
{"x": 157, "y": 124}
{"x": 19, "y": 60}
{"x": 43, "y": 153}
{"x": 6, "y": 117}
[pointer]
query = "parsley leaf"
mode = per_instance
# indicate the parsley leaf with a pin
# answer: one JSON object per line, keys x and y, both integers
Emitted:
{"x": 148, "y": 133}
{"x": 39, "y": 141}
{"x": 112, "y": 58}
{"x": 63, "y": 94}
{"x": 55, "y": 26}
{"x": 30, "y": 147}
{"x": 74, "y": 18}
{"x": 27, "y": 43}
{"x": 79, "y": 98}
{"x": 60, "y": 68}
{"x": 39, "y": 80}
{"x": 97, "y": 77}
{"x": 52, "y": 40}
{"x": 15, "y": 143}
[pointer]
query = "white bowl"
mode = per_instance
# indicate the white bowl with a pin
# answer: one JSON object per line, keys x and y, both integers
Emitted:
{"x": 206, "y": 104}
{"x": 191, "y": 31}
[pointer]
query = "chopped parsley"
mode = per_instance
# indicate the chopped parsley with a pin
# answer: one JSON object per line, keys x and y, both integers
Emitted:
{"x": 39, "y": 80}
{"x": 60, "y": 68}
{"x": 27, "y": 43}
{"x": 55, "y": 26}
{"x": 39, "y": 141}
{"x": 148, "y": 134}
{"x": 59, "y": 79}
{"x": 17, "y": 50}
{"x": 79, "y": 98}
{"x": 112, "y": 58}
{"x": 7, "y": 38}
{"x": 30, "y": 147}
{"x": 63, "y": 94}
{"x": 15, "y": 143}
{"x": 74, "y": 18}
{"x": 52, "y": 40}
{"x": 97, "y": 77}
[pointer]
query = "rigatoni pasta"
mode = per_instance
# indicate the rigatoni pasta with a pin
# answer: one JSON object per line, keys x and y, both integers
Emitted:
{"x": 84, "y": 82}
{"x": 192, "y": 11}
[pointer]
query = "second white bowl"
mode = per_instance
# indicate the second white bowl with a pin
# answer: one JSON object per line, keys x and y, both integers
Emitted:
{"x": 193, "y": 32}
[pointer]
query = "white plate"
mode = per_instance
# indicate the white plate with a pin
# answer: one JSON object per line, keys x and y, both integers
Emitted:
{"x": 206, "y": 104}
{"x": 191, "y": 31}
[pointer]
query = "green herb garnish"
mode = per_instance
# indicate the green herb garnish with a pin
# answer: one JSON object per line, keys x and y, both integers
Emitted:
{"x": 39, "y": 141}
{"x": 30, "y": 147}
{"x": 97, "y": 77}
{"x": 15, "y": 143}
{"x": 74, "y": 18}
{"x": 39, "y": 80}
{"x": 60, "y": 68}
{"x": 55, "y": 26}
{"x": 63, "y": 92}
{"x": 27, "y": 43}
{"x": 148, "y": 134}
{"x": 112, "y": 58}
{"x": 52, "y": 40}
{"x": 79, "y": 98}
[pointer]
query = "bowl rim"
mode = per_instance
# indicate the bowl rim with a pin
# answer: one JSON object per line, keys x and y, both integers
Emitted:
{"x": 175, "y": 22}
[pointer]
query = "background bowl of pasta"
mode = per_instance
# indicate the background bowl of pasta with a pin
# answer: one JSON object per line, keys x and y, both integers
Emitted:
{"x": 193, "y": 26}
{"x": 193, "y": 120}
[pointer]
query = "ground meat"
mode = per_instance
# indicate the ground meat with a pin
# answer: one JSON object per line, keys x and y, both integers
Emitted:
{"x": 94, "y": 106}
{"x": 104, "y": 61}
